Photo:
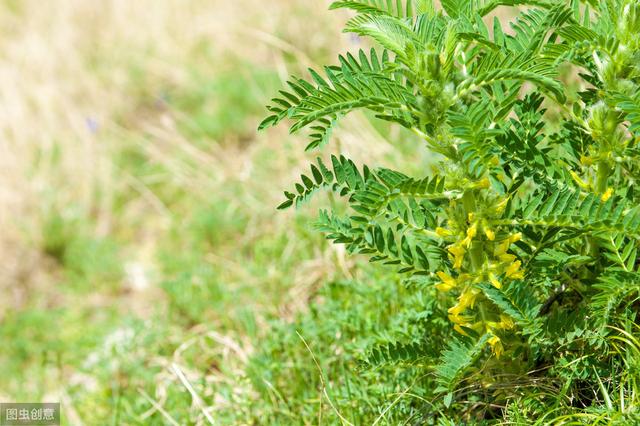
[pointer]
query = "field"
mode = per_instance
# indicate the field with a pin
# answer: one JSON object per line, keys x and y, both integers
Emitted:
{"x": 146, "y": 275}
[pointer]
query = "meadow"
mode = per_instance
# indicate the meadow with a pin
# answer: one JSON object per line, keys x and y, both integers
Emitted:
{"x": 153, "y": 273}
{"x": 145, "y": 271}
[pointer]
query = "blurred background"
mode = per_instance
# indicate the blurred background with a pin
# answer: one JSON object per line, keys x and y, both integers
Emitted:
{"x": 146, "y": 277}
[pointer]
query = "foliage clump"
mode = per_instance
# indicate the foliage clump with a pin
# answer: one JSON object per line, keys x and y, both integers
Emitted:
{"x": 526, "y": 234}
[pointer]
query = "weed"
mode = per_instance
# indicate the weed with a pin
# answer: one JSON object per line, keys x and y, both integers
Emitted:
{"x": 525, "y": 236}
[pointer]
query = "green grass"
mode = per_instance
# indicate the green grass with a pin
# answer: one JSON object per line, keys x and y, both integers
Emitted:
{"x": 222, "y": 261}
{"x": 285, "y": 371}
{"x": 226, "y": 262}
{"x": 155, "y": 236}
{"x": 223, "y": 107}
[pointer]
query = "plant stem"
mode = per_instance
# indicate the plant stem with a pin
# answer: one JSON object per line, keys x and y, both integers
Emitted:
{"x": 603, "y": 176}
{"x": 476, "y": 250}
{"x": 601, "y": 187}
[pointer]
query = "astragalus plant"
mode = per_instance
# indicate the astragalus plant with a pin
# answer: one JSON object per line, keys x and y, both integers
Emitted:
{"x": 527, "y": 233}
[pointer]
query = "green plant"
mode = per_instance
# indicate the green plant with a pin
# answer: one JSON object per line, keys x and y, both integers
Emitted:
{"x": 527, "y": 233}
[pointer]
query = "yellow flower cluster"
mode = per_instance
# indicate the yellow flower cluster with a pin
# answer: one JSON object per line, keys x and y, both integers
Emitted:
{"x": 507, "y": 262}
{"x": 500, "y": 263}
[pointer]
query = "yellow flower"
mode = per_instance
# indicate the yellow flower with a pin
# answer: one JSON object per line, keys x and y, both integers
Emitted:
{"x": 471, "y": 233}
{"x": 465, "y": 300}
{"x": 582, "y": 184}
{"x": 517, "y": 276}
{"x": 448, "y": 282}
{"x": 466, "y": 242}
{"x": 499, "y": 208}
{"x": 462, "y": 278}
{"x": 506, "y": 322}
{"x": 502, "y": 247}
{"x": 490, "y": 234}
{"x": 455, "y": 311}
{"x": 443, "y": 232}
{"x": 507, "y": 258}
{"x": 468, "y": 298}
{"x": 460, "y": 330}
{"x": 496, "y": 346}
{"x": 489, "y": 326}
{"x": 513, "y": 270}
{"x": 586, "y": 161}
{"x": 494, "y": 281}
{"x": 458, "y": 255}
{"x": 608, "y": 193}
{"x": 460, "y": 320}
{"x": 483, "y": 183}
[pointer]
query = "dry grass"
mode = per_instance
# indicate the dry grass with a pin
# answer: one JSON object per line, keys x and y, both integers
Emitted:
{"x": 83, "y": 82}
{"x": 79, "y": 80}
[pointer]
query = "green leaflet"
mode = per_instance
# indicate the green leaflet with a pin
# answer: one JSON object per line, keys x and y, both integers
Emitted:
{"x": 459, "y": 355}
{"x": 570, "y": 209}
{"x": 395, "y": 353}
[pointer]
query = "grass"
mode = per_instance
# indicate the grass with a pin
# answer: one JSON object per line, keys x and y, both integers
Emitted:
{"x": 148, "y": 278}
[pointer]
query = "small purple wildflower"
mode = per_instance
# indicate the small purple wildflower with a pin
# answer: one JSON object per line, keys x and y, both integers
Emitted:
{"x": 92, "y": 124}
